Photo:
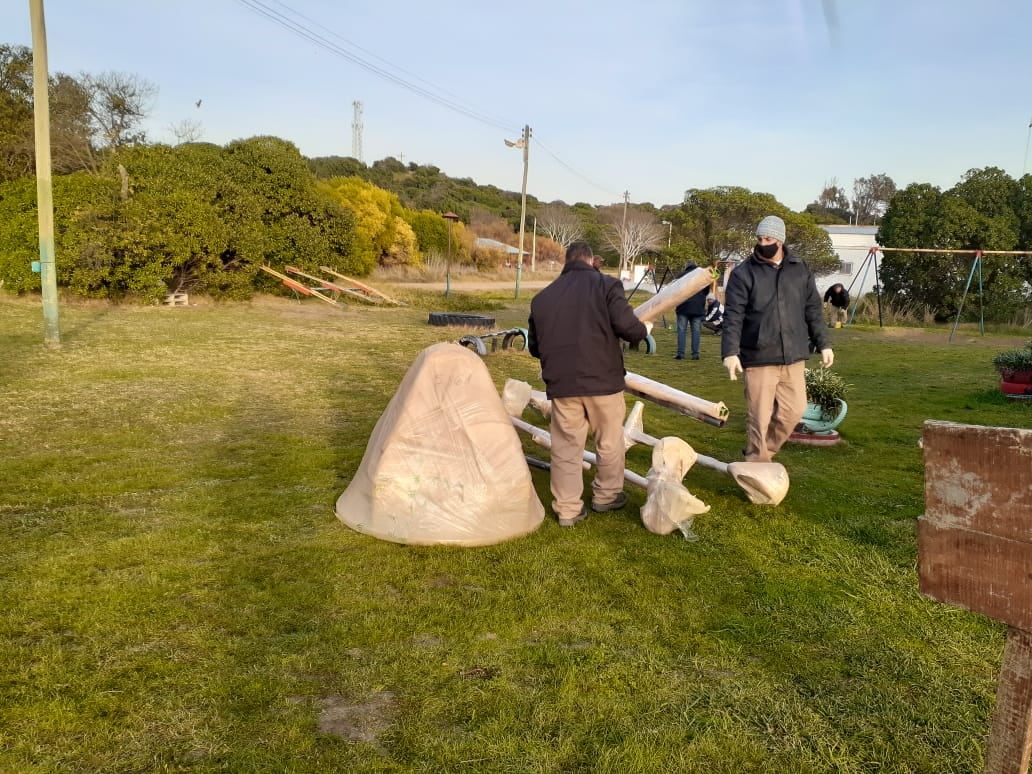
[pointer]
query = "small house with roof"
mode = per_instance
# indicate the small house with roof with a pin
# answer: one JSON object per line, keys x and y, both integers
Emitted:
{"x": 852, "y": 245}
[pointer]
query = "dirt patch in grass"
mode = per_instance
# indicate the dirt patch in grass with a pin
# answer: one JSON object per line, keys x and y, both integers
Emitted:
{"x": 357, "y": 722}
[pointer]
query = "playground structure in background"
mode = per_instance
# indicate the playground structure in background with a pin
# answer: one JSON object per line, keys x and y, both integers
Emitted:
{"x": 871, "y": 260}
{"x": 328, "y": 290}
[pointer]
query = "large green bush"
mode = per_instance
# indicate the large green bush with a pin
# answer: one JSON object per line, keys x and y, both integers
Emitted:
{"x": 194, "y": 217}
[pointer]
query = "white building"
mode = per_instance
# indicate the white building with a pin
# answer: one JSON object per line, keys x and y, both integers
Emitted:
{"x": 852, "y": 245}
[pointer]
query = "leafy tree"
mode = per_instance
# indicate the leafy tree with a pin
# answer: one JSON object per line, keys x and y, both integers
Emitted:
{"x": 420, "y": 187}
{"x": 431, "y": 232}
{"x": 721, "y": 223}
{"x": 196, "y": 217}
{"x": 337, "y": 166}
{"x": 16, "y": 140}
{"x": 832, "y": 206}
{"x": 871, "y": 197}
{"x": 382, "y": 235}
{"x": 986, "y": 210}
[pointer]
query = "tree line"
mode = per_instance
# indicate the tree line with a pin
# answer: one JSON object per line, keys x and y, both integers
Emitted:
{"x": 141, "y": 219}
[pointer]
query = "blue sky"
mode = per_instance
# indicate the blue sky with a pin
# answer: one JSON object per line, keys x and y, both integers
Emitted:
{"x": 652, "y": 98}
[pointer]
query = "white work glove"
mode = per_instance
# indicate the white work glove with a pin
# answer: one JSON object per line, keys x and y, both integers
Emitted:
{"x": 648, "y": 329}
{"x": 827, "y": 357}
{"x": 733, "y": 366}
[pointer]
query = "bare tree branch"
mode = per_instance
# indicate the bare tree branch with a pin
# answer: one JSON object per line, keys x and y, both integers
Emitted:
{"x": 118, "y": 104}
{"x": 639, "y": 233}
{"x": 561, "y": 224}
{"x": 187, "y": 130}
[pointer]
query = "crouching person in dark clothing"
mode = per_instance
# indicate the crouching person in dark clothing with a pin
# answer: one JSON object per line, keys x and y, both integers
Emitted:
{"x": 575, "y": 328}
{"x": 714, "y": 319}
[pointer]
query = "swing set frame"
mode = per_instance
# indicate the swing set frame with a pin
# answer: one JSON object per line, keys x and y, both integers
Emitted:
{"x": 872, "y": 260}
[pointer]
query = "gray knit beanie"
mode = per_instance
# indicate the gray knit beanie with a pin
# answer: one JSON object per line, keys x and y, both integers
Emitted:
{"x": 772, "y": 226}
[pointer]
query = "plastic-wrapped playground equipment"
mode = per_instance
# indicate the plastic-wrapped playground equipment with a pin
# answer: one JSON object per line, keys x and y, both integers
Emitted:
{"x": 443, "y": 464}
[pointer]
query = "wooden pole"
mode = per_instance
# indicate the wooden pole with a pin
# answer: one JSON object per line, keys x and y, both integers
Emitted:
{"x": 44, "y": 185}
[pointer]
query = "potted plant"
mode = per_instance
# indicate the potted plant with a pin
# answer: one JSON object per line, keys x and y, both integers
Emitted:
{"x": 1015, "y": 369}
{"x": 825, "y": 397}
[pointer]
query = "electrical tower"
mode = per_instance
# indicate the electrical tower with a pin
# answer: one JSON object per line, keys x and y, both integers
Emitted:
{"x": 356, "y": 131}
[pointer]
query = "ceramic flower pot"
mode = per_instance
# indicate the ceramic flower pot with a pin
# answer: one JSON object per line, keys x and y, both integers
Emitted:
{"x": 817, "y": 420}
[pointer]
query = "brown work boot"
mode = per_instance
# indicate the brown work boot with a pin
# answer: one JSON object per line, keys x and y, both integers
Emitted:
{"x": 579, "y": 517}
{"x": 614, "y": 505}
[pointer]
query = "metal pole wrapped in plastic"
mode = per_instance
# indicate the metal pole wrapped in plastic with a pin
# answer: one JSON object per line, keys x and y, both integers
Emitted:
{"x": 673, "y": 294}
{"x": 544, "y": 438}
{"x": 705, "y": 411}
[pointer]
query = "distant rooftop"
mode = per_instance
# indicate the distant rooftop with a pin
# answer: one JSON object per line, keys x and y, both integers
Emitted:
{"x": 865, "y": 230}
{"x": 493, "y": 244}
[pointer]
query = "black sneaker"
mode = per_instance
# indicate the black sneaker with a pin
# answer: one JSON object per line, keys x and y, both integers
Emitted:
{"x": 678, "y": 357}
{"x": 695, "y": 357}
{"x": 616, "y": 504}
{"x": 579, "y": 517}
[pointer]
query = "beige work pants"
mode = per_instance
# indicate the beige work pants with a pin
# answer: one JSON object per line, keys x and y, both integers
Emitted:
{"x": 775, "y": 400}
{"x": 571, "y": 420}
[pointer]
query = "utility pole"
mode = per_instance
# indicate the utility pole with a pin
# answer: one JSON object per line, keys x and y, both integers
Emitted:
{"x": 44, "y": 186}
{"x": 523, "y": 204}
{"x": 623, "y": 234}
{"x": 356, "y": 131}
{"x": 533, "y": 248}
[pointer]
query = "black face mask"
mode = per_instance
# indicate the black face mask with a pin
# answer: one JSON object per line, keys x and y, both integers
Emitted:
{"x": 767, "y": 251}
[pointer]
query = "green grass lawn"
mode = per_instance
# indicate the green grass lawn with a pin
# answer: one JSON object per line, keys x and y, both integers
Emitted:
{"x": 178, "y": 595}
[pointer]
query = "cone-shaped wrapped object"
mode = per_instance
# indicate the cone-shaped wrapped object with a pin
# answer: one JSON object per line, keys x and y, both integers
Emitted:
{"x": 444, "y": 464}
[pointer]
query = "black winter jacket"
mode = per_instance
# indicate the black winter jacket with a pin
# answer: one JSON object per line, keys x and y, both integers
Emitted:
{"x": 694, "y": 306}
{"x": 771, "y": 313}
{"x": 575, "y": 328}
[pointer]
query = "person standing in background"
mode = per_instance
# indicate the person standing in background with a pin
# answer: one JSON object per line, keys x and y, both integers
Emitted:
{"x": 690, "y": 314}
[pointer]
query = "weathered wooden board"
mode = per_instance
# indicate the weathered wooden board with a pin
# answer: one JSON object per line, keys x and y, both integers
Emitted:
{"x": 975, "y": 539}
{"x": 975, "y": 550}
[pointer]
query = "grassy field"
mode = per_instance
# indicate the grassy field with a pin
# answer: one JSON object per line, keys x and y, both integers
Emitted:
{"x": 179, "y": 596}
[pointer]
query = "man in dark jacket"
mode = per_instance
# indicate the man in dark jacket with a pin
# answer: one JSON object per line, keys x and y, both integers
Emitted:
{"x": 771, "y": 312}
{"x": 575, "y": 328}
{"x": 690, "y": 314}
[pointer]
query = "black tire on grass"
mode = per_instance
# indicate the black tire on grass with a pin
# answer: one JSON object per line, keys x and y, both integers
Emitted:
{"x": 516, "y": 339}
{"x": 463, "y": 320}
{"x": 475, "y": 343}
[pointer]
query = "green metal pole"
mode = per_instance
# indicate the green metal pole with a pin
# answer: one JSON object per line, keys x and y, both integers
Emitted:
{"x": 44, "y": 187}
{"x": 447, "y": 271}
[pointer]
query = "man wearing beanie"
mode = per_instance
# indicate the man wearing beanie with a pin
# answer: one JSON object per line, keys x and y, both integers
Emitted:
{"x": 772, "y": 311}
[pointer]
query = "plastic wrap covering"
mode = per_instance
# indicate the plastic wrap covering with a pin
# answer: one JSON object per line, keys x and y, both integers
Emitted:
{"x": 669, "y": 504}
{"x": 444, "y": 464}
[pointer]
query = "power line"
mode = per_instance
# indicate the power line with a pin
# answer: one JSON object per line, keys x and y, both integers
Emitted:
{"x": 301, "y": 30}
{"x": 573, "y": 170}
{"x": 366, "y": 51}
{"x": 432, "y": 92}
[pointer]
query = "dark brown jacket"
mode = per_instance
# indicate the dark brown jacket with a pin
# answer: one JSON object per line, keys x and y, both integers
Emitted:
{"x": 575, "y": 328}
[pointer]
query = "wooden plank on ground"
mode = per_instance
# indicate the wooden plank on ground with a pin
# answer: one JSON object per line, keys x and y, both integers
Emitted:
{"x": 297, "y": 286}
{"x": 334, "y": 286}
{"x": 361, "y": 286}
